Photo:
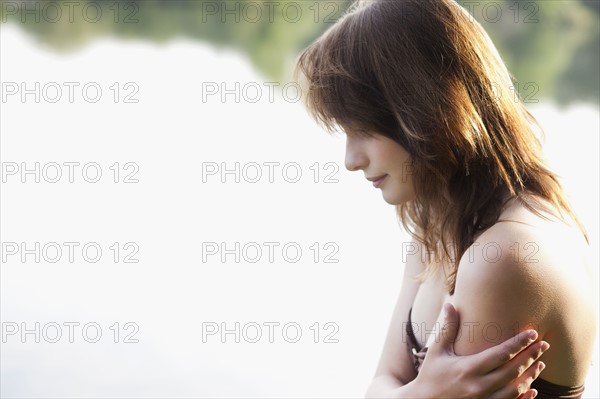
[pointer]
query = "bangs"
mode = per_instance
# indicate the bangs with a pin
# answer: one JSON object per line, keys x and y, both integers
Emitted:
{"x": 339, "y": 84}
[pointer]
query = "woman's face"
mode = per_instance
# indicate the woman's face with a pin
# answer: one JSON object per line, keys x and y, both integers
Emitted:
{"x": 380, "y": 156}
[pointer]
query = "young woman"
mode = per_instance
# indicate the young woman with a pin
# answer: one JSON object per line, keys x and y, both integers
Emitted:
{"x": 426, "y": 104}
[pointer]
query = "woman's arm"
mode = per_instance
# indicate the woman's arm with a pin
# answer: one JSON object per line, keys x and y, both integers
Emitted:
{"x": 497, "y": 296}
{"x": 395, "y": 363}
{"x": 461, "y": 376}
{"x": 502, "y": 371}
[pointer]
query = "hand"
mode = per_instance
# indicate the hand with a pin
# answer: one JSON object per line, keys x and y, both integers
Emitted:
{"x": 503, "y": 371}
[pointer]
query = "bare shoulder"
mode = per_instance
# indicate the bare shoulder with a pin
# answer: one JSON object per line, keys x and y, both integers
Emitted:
{"x": 502, "y": 279}
{"x": 536, "y": 248}
{"x": 520, "y": 271}
{"x": 545, "y": 264}
{"x": 530, "y": 272}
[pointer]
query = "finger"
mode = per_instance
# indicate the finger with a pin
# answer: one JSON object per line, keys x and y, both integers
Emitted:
{"x": 449, "y": 330}
{"x": 498, "y": 355}
{"x": 520, "y": 364}
{"x": 521, "y": 385}
{"x": 529, "y": 394}
{"x": 524, "y": 381}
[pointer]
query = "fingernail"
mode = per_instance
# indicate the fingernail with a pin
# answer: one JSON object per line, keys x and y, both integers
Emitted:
{"x": 541, "y": 366}
{"x": 545, "y": 346}
{"x": 532, "y": 335}
{"x": 535, "y": 393}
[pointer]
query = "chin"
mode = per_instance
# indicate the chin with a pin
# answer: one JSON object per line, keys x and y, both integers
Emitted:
{"x": 392, "y": 200}
{"x": 396, "y": 198}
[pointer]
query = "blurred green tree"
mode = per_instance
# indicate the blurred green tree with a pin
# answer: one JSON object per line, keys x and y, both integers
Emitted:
{"x": 551, "y": 47}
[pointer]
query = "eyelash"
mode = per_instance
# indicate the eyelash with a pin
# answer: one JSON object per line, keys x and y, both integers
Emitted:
{"x": 360, "y": 133}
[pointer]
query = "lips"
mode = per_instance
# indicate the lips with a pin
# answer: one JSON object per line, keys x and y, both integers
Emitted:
{"x": 377, "y": 180}
{"x": 373, "y": 179}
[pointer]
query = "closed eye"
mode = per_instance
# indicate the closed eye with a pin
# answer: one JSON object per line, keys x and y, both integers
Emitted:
{"x": 358, "y": 132}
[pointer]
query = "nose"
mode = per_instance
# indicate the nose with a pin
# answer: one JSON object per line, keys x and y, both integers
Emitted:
{"x": 355, "y": 158}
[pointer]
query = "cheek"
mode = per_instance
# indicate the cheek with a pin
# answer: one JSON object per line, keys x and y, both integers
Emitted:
{"x": 399, "y": 163}
{"x": 401, "y": 186}
{"x": 393, "y": 152}
{"x": 390, "y": 157}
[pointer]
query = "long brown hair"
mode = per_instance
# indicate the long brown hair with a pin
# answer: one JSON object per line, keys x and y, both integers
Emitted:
{"x": 426, "y": 74}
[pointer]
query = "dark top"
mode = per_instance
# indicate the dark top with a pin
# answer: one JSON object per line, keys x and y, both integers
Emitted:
{"x": 546, "y": 390}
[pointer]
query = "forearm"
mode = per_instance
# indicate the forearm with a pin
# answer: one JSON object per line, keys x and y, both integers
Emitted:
{"x": 387, "y": 386}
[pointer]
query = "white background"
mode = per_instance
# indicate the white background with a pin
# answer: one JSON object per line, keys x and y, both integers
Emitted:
{"x": 171, "y": 292}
